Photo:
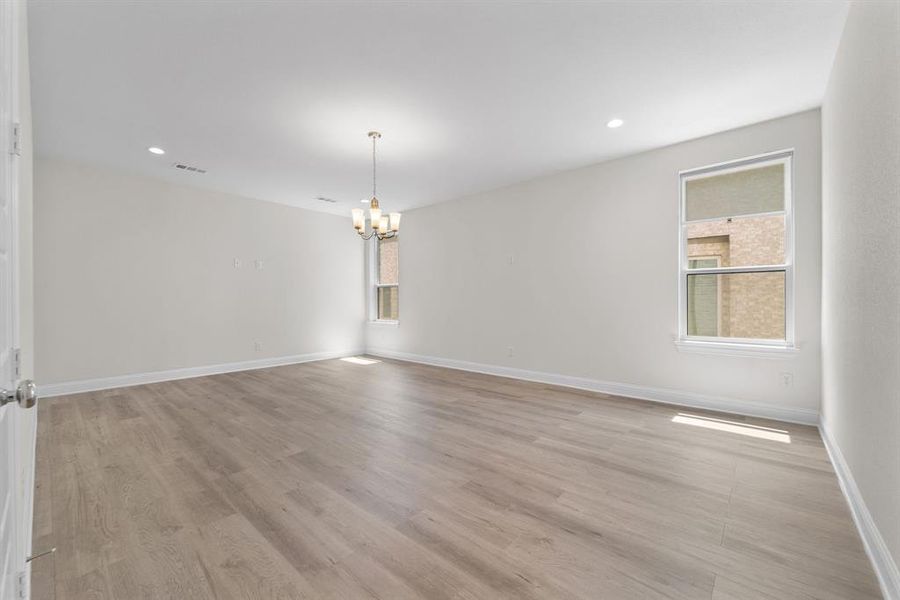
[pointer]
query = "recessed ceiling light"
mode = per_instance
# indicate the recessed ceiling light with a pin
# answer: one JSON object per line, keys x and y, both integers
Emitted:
{"x": 615, "y": 123}
{"x": 155, "y": 150}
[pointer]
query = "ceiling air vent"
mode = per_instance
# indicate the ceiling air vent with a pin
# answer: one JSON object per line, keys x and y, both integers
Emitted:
{"x": 324, "y": 199}
{"x": 184, "y": 167}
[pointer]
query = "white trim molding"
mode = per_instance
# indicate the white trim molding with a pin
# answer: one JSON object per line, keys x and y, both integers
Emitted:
{"x": 883, "y": 563}
{"x": 383, "y": 323}
{"x": 662, "y": 395}
{"x": 118, "y": 381}
{"x": 733, "y": 349}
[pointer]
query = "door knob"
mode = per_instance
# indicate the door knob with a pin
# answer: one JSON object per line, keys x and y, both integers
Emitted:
{"x": 25, "y": 395}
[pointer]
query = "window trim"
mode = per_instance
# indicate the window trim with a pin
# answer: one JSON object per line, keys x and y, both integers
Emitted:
{"x": 727, "y": 345}
{"x": 373, "y": 284}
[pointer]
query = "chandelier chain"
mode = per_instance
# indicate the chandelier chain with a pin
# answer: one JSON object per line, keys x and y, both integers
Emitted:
{"x": 374, "y": 195}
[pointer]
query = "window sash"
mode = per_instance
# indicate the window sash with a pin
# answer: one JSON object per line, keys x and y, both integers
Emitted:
{"x": 378, "y": 265}
{"x": 741, "y": 164}
{"x": 730, "y": 270}
{"x": 738, "y": 340}
{"x": 738, "y": 200}
{"x": 784, "y": 157}
{"x": 386, "y": 286}
{"x": 375, "y": 284}
{"x": 772, "y": 213}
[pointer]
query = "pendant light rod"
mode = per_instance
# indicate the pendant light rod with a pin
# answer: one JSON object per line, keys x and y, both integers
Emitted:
{"x": 375, "y": 136}
{"x": 383, "y": 226}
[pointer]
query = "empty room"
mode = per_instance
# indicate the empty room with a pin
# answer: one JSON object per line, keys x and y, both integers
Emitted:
{"x": 450, "y": 300}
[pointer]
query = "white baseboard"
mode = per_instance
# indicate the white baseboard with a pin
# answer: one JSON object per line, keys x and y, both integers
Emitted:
{"x": 667, "y": 396}
{"x": 105, "y": 383}
{"x": 885, "y": 567}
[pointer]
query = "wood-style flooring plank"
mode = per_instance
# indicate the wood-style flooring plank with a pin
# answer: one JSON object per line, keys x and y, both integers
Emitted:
{"x": 396, "y": 481}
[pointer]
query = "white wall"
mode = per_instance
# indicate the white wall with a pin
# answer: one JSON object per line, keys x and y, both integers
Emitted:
{"x": 861, "y": 262}
{"x": 591, "y": 291}
{"x": 137, "y": 275}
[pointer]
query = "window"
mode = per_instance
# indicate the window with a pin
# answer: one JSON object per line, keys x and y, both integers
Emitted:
{"x": 385, "y": 272}
{"x": 735, "y": 267}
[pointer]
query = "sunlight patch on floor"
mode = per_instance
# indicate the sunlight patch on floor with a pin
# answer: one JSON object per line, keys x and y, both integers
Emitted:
{"x": 359, "y": 360}
{"x": 766, "y": 433}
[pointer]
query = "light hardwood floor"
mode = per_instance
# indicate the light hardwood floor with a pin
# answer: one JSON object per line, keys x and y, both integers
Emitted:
{"x": 396, "y": 481}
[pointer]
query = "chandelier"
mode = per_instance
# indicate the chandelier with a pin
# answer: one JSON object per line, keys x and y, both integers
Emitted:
{"x": 384, "y": 227}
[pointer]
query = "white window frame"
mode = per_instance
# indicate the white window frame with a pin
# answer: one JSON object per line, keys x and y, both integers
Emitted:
{"x": 739, "y": 346}
{"x": 374, "y": 284}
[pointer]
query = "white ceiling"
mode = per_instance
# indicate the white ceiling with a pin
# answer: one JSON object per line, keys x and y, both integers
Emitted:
{"x": 274, "y": 99}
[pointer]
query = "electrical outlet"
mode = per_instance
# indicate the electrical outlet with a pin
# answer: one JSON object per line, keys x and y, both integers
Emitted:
{"x": 257, "y": 346}
{"x": 787, "y": 379}
{"x": 237, "y": 263}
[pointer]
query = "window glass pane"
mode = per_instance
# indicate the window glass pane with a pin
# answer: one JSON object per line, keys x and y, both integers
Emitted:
{"x": 388, "y": 261}
{"x": 703, "y": 305}
{"x": 738, "y": 305}
{"x": 388, "y": 303}
{"x": 746, "y": 192}
{"x": 703, "y": 263}
{"x": 739, "y": 242}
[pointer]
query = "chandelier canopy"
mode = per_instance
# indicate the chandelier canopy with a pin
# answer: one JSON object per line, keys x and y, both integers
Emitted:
{"x": 383, "y": 226}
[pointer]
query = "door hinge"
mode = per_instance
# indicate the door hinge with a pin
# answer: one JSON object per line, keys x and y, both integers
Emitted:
{"x": 17, "y": 363}
{"x": 16, "y": 140}
{"x": 22, "y": 591}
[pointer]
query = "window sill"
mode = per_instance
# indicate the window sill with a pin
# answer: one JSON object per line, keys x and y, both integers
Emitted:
{"x": 384, "y": 323}
{"x": 737, "y": 349}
